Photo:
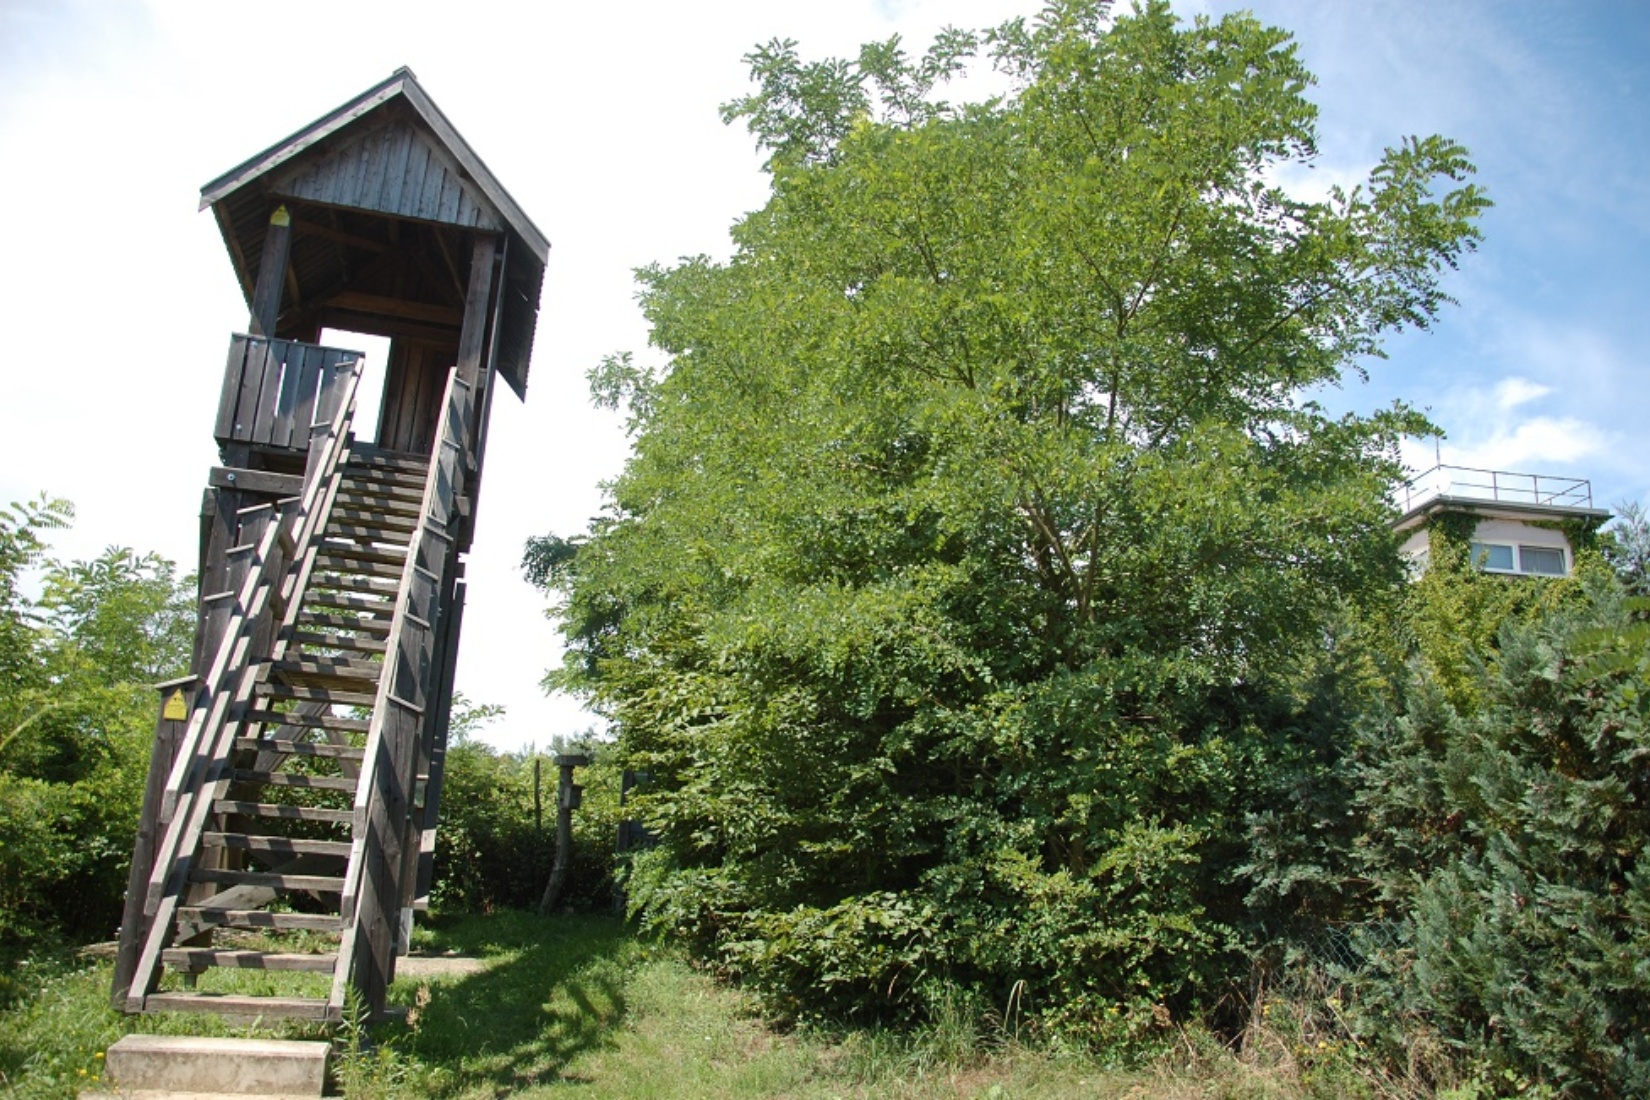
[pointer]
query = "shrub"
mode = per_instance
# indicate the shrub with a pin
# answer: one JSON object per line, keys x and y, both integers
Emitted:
{"x": 1507, "y": 844}
{"x": 491, "y": 851}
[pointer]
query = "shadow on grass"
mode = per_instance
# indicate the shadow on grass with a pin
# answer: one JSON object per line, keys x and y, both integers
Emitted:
{"x": 554, "y": 991}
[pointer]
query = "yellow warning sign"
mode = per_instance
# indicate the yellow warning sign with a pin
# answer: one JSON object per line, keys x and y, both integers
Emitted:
{"x": 176, "y": 708}
{"x": 280, "y": 217}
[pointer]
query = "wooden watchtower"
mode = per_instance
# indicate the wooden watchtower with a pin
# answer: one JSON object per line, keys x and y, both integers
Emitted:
{"x": 296, "y": 775}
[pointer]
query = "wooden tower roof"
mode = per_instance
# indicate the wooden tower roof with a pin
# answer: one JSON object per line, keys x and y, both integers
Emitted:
{"x": 381, "y": 192}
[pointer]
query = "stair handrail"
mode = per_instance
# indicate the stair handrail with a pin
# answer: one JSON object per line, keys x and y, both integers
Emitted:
{"x": 204, "y": 745}
{"x": 443, "y": 483}
{"x": 319, "y": 487}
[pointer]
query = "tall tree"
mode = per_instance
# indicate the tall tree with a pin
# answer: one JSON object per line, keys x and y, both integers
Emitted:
{"x": 76, "y": 713}
{"x": 956, "y": 593}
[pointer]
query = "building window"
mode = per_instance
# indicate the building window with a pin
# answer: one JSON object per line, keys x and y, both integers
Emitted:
{"x": 1541, "y": 561}
{"x": 1493, "y": 557}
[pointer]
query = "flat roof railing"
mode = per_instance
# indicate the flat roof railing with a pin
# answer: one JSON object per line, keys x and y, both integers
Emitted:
{"x": 1542, "y": 490}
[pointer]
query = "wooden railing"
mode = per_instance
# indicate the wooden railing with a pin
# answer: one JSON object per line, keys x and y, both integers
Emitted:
{"x": 276, "y": 391}
{"x": 384, "y": 851}
{"x": 268, "y": 571}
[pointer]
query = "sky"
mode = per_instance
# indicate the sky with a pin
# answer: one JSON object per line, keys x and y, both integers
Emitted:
{"x": 117, "y": 298}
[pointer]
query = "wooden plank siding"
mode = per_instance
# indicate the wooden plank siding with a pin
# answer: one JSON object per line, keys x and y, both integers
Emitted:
{"x": 274, "y": 391}
{"x": 414, "y": 384}
{"x": 394, "y": 169}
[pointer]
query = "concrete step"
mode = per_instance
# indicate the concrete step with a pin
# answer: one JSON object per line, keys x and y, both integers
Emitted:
{"x": 234, "y": 1067}
{"x": 167, "y": 1094}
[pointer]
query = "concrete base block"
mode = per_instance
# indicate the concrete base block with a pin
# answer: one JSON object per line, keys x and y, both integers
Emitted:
{"x": 151, "y": 1094}
{"x": 235, "y": 1067}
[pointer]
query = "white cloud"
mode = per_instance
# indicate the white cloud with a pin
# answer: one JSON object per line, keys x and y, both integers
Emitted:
{"x": 1513, "y": 424}
{"x": 1531, "y": 446}
{"x": 1313, "y": 182}
{"x": 1513, "y": 392}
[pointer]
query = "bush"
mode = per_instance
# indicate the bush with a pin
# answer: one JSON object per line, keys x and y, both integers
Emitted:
{"x": 1507, "y": 844}
{"x": 491, "y": 852}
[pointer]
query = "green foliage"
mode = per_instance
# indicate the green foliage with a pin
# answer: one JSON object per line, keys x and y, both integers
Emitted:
{"x": 1626, "y": 546}
{"x": 1507, "y": 845}
{"x": 978, "y": 539}
{"x": 1455, "y": 611}
{"x": 491, "y": 850}
{"x": 77, "y": 709}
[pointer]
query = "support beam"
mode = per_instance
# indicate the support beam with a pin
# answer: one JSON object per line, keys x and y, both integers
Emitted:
{"x": 266, "y": 295}
{"x": 472, "y": 339}
{"x": 255, "y": 481}
{"x": 484, "y": 405}
{"x": 220, "y": 527}
{"x": 177, "y": 699}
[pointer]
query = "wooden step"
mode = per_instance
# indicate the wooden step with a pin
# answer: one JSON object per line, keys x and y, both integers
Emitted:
{"x": 349, "y": 601}
{"x": 283, "y": 812}
{"x": 373, "y": 457}
{"x": 363, "y": 532}
{"x": 223, "y": 1004}
{"x": 196, "y": 959}
{"x": 317, "y": 620}
{"x": 270, "y": 689}
{"x": 400, "y": 481}
{"x": 372, "y": 580}
{"x": 260, "y": 918}
{"x": 387, "y": 527}
{"x": 283, "y": 845}
{"x": 328, "y": 672}
{"x": 349, "y": 642}
{"x": 300, "y": 748}
{"x": 332, "y": 551}
{"x": 379, "y": 578}
{"x": 375, "y": 505}
{"x": 290, "y": 779}
{"x": 267, "y": 717}
{"x": 273, "y": 880}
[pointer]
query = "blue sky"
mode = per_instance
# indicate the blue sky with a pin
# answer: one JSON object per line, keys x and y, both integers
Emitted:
{"x": 1543, "y": 366}
{"x": 117, "y": 298}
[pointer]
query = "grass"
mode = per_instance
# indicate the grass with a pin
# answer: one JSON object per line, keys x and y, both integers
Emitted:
{"x": 576, "y": 1006}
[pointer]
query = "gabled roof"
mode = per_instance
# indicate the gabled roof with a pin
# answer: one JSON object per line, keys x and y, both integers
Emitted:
{"x": 388, "y": 152}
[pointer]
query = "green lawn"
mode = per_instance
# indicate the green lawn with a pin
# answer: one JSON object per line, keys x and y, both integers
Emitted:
{"x": 571, "y": 1007}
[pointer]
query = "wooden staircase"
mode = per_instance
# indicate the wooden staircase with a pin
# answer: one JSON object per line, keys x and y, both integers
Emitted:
{"x": 296, "y": 799}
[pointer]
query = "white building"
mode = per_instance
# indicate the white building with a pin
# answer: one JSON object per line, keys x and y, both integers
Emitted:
{"x": 1523, "y": 520}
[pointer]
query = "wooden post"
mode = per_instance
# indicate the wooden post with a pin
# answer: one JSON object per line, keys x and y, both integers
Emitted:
{"x": 475, "y": 366}
{"x": 219, "y": 527}
{"x": 568, "y": 797}
{"x": 472, "y": 338}
{"x": 266, "y": 295}
{"x": 177, "y": 699}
